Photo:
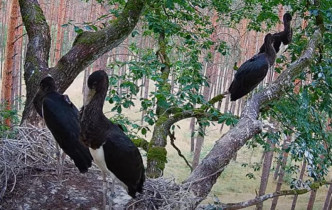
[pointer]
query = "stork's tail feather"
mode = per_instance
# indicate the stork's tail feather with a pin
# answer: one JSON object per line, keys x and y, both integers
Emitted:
{"x": 141, "y": 183}
{"x": 82, "y": 158}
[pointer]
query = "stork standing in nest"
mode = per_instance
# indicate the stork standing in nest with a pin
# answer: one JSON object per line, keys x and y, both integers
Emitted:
{"x": 113, "y": 152}
{"x": 62, "y": 119}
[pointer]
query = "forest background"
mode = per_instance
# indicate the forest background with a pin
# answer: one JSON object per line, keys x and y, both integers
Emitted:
{"x": 180, "y": 58}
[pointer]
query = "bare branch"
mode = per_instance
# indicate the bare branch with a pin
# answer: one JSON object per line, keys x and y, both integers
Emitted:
{"x": 172, "y": 137}
{"x": 259, "y": 199}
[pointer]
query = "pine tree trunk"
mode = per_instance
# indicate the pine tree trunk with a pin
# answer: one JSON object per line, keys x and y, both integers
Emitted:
{"x": 277, "y": 169}
{"x": 7, "y": 82}
{"x": 265, "y": 172}
{"x": 282, "y": 172}
{"x": 206, "y": 92}
{"x": 312, "y": 199}
{"x": 304, "y": 165}
{"x": 192, "y": 136}
{"x": 198, "y": 147}
{"x": 18, "y": 66}
{"x": 59, "y": 36}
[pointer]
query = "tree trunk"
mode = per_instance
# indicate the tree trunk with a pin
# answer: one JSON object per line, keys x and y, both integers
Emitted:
{"x": 198, "y": 147}
{"x": 312, "y": 198}
{"x": 328, "y": 198}
{"x": 19, "y": 66}
{"x": 146, "y": 94}
{"x": 265, "y": 172}
{"x": 87, "y": 47}
{"x": 277, "y": 169}
{"x": 192, "y": 136}
{"x": 304, "y": 165}
{"x": 157, "y": 154}
{"x": 7, "y": 81}
{"x": 206, "y": 91}
{"x": 59, "y": 36}
{"x": 282, "y": 171}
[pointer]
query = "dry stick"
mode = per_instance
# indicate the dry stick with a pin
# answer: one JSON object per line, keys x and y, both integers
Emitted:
{"x": 172, "y": 138}
{"x": 28, "y": 150}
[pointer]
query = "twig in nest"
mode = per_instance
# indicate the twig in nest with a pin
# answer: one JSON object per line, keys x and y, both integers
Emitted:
{"x": 163, "y": 193}
{"x": 31, "y": 148}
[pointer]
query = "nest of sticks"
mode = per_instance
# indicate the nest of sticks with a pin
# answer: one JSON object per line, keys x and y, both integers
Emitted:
{"x": 24, "y": 150}
{"x": 162, "y": 193}
{"x": 30, "y": 149}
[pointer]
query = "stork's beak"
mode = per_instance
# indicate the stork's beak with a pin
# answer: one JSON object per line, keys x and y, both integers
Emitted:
{"x": 91, "y": 93}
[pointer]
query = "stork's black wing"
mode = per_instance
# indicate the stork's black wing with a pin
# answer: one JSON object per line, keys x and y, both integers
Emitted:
{"x": 61, "y": 118}
{"x": 248, "y": 76}
{"x": 124, "y": 160}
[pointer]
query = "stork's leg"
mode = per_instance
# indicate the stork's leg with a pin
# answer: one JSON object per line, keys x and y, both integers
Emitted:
{"x": 60, "y": 161}
{"x": 104, "y": 190}
{"x": 112, "y": 194}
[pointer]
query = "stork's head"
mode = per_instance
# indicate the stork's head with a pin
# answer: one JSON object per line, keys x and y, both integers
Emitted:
{"x": 98, "y": 84}
{"x": 287, "y": 17}
{"x": 47, "y": 84}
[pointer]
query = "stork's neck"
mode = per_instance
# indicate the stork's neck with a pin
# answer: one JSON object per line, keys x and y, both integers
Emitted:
{"x": 287, "y": 26}
{"x": 96, "y": 103}
{"x": 270, "y": 52}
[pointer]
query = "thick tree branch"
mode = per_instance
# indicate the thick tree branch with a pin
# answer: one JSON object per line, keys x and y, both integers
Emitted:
{"x": 205, "y": 175}
{"x": 87, "y": 47}
{"x": 38, "y": 47}
{"x": 39, "y": 37}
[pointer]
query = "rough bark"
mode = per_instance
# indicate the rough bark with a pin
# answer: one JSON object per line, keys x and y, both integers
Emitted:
{"x": 7, "y": 82}
{"x": 206, "y": 173}
{"x": 87, "y": 47}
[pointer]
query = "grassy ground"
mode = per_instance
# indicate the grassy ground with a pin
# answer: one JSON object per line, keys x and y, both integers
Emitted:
{"x": 232, "y": 185}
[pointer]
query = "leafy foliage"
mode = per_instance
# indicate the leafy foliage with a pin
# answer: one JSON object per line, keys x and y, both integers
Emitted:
{"x": 6, "y": 131}
{"x": 187, "y": 28}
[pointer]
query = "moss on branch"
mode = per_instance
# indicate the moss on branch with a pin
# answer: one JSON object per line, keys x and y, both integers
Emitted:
{"x": 142, "y": 143}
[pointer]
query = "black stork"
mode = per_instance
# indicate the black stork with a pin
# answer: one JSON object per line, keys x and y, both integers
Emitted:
{"x": 62, "y": 119}
{"x": 284, "y": 37}
{"x": 253, "y": 71}
{"x": 113, "y": 152}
